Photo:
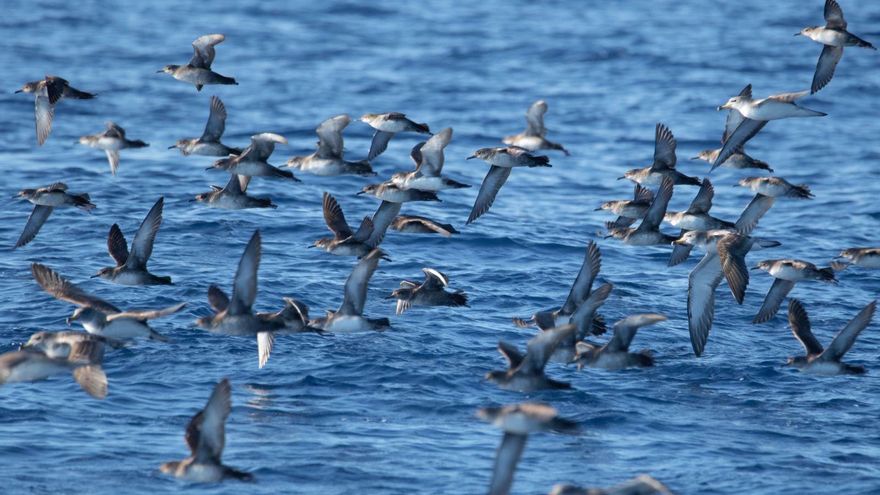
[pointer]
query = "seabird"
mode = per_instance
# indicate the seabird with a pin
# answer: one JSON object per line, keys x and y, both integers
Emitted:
{"x": 80, "y": 347}
{"x": 206, "y": 437}
{"x": 234, "y": 316}
{"x": 826, "y": 361}
{"x": 526, "y": 373}
{"x": 863, "y": 257}
{"x": 98, "y": 316}
{"x": 252, "y": 162}
{"x": 581, "y": 290}
{"x": 234, "y": 196}
{"x": 786, "y": 273}
{"x": 414, "y": 224}
{"x": 209, "y": 144}
{"x": 502, "y": 161}
{"x": 48, "y": 92}
{"x": 776, "y": 187}
{"x": 748, "y": 116}
{"x": 387, "y": 125}
{"x": 629, "y": 210}
{"x": 431, "y": 292}
{"x": 664, "y": 163}
{"x": 111, "y": 140}
{"x": 615, "y": 354}
{"x": 518, "y": 421}
{"x": 328, "y": 159}
{"x": 738, "y": 158}
{"x": 384, "y": 216}
{"x": 533, "y": 138}
{"x": 391, "y": 192}
{"x": 131, "y": 266}
{"x": 697, "y": 217}
{"x": 350, "y": 315}
{"x": 833, "y": 36}
{"x": 46, "y": 199}
{"x": 31, "y": 365}
{"x": 198, "y": 71}
{"x": 344, "y": 242}
{"x": 648, "y": 232}
{"x": 707, "y": 275}
{"x": 429, "y": 159}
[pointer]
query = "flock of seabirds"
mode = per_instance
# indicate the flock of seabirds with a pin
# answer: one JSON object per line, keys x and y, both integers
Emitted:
{"x": 565, "y": 332}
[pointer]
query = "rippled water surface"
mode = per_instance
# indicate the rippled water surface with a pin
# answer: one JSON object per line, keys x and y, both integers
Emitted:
{"x": 393, "y": 412}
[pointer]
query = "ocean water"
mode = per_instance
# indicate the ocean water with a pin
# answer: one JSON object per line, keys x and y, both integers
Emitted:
{"x": 393, "y": 412}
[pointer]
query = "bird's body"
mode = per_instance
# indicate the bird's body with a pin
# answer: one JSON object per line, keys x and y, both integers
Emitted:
{"x": 615, "y": 354}
{"x": 786, "y": 273}
{"x": 533, "y": 138}
{"x": 45, "y": 200}
{"x": 131, "y": 266}
{"x": 209, "y": 143}
{"x": 648, "y": 232}
{"x": 431, "y": 292}
{"x": 198, "y": 71}
{"x": 31, "y": 365}
{"x": 48, "y": 92}
{"x": 392, "y": 193}
{"x": 663, "y": 165}
{"x": 345, "y": 241}
{"x": 414, "y": 224}
{"x": 525, "y": 373}
{"x": 252, "y": 162}
{"x": 863, "y": 257}
{"x": 776, "y": 187}
{"x": 502, "y": 161}
{"x": 111, "y": 140}
{"x": 328, "y": 159}
{"x": 234, "y": 196}
{"x": 821, "y": 361}
{"x": 350, "y": 315}
{"x": 387, "y": 125}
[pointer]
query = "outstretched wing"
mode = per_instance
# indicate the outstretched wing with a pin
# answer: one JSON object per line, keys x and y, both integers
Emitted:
{"x": 63, "y": 289}
{"x": 203, "y": 50}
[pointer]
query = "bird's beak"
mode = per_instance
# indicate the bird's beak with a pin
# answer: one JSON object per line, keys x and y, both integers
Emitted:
{"x": 310, "y": 246}
{"x": 70, "y": 319}
{"x": 172, "y": 147}
{"x": 160, "y": 71}
{"x": 597, "y": 209}
{"x": 608, "y": 236}
{"x": 472, "y": 156}
{"x": 390, "y": 297}
{"x": 19, "y": 91}
{"x": 724, "y": 107}
{"x": 621, "y": 178}
{"x": 95, "y": 275}
{"x": 209, "y": 168}
{"x": 756, "y": 268}
{"x": 695, "y": 157}
{"x": 797, "y": 34}
{"x": 361, "y": 192}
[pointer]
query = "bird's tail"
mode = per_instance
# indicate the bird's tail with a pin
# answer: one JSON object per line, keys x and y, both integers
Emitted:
{"x": 540, "y": 161}
{"x": 827, "y": 275}
{"x": 137, "y": 143}
{"x": 70, "y": 92}
{"x": 83, "y": 201}
{"x": 801, "y": 191}
{"x": 863, "y": 44}
{"x": 459, "y": 299}
{"x": 423, "y": 128}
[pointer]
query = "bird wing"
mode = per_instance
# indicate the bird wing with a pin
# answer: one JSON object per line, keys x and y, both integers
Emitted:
{"x": 702, "y": 282}
{"x": 664, "y": 148}
{"x": 506, "y": 458}
{"x": 330, "y": 144}
{"x": 732, "y": 250}
{"x": 206, "y": 431}
{"x": 846, "y": 337}
{"x": 385, "y": 214}
{"x": 510, "y": 353}
{"x": 431, "y": 163}
{"x": 702, "y": 202}
{"x": 496, "y": 178}
{"x": 746, "y": 130}
{"x": 335, "y": 218}
{"x": 218, "y": 299}
{"x": 216, "y": 121}
{"x": 825, "y": 67}
{"x": 63, "y": 289}
{"x": 379, "y": 144}
{"x": 834, "y": 15}
{"x": 113, "y": 159}
{"x": 234, "y": 185}
{"x": 44, "y": 112}
{"x": 434, "y": 279}
{"x": 541, "y": 347}
{"x": 142, "y": 244}
{"x": 757, "y": 207}
{"x": 244, "y": 286}
{"x": 356, "y": 285}
{"x": 625, "y": 330}
{"x": 116, "y": 245}
{"x": 262, "y": 146}
{"x": 657, "y": 210}
{"x": 34, "y": 222}
{"x": 800, "y": 327}
{"x": 582, "y": 285}
{"x": 147, "y": 314}
{"x": 773, "y": 300}
{"x": 535, "y": 119}
{"x": 203, "y": 50}
{"x": 586, "y": 311}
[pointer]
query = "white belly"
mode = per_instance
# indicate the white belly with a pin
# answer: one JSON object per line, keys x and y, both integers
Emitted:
{"x": 203, "y": 473}
{"x": 348, "y": 324}
{"x": 786, "y": 272}
{"x": 123, "y": 329}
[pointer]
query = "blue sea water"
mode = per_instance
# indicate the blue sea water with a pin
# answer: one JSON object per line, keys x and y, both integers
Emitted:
{"x": 393, "y": 412}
